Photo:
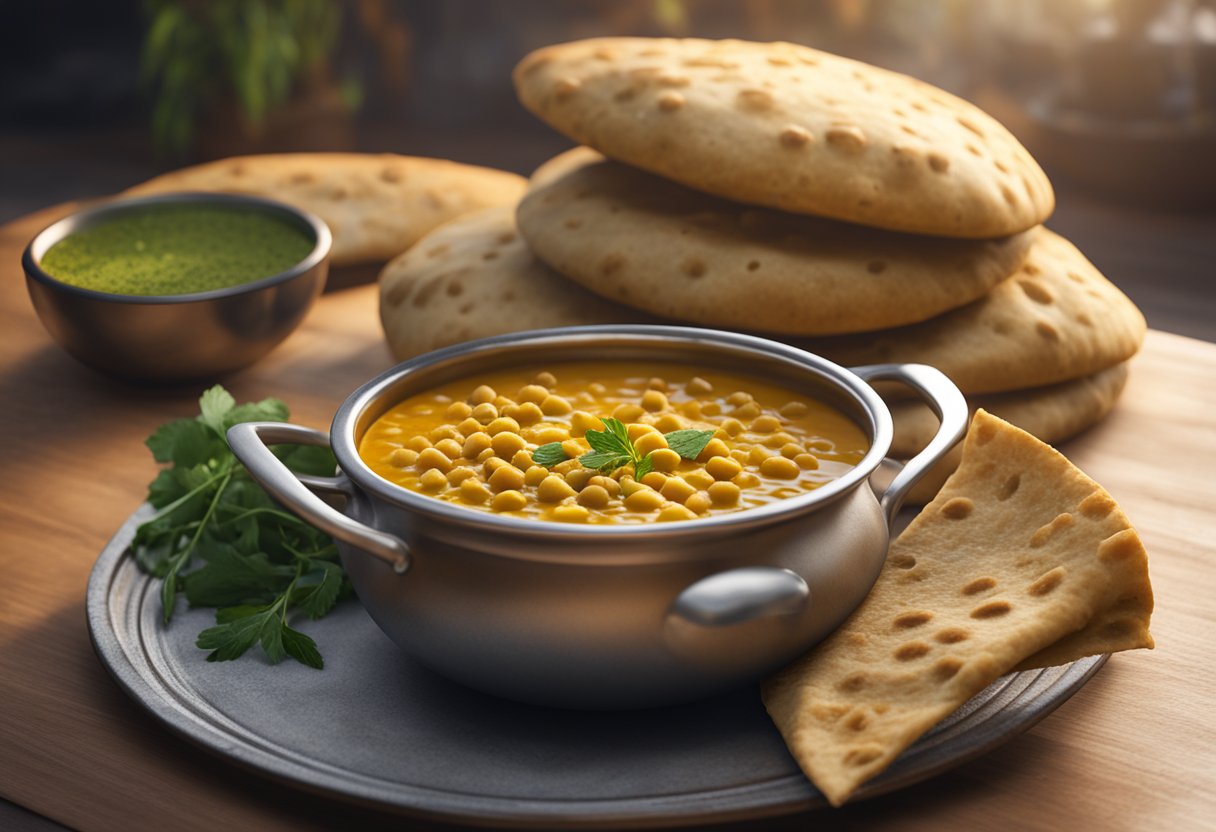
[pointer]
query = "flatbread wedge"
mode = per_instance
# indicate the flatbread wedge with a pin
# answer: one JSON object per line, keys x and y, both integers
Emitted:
{"x": 1021, "y": 560}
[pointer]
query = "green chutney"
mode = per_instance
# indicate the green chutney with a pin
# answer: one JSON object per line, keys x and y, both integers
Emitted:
{"x": 177, "y": 250}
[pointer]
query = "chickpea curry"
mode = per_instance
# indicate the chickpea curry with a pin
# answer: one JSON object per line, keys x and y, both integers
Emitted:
{"x": 598, "y": 442}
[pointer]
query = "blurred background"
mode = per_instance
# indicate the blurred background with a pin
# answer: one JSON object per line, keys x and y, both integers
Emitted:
{"x": 1117, "y": 98}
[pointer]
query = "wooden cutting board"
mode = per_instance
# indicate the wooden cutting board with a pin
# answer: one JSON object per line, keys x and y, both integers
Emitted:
{"x": 1135, "y": 749}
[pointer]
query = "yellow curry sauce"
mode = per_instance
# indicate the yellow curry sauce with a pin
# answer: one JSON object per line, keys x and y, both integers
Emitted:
{"x": 471, "y": 442}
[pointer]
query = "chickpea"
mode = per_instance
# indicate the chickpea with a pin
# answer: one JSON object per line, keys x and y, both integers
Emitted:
{"x": 484, "y": 394}
{"x": 573, "y": 448}
{"x": 581, "y": 421}
{"x": 698, "y": 386}
{"x": 506, "y": 478}
{"x": 501, "y": 401}
{"x": 493, "y": 463}
{"x": 739, "y": 397}
{"x": 533, "y": 393}
{"x": 502, "y": 423}
{"x": 724, "y": 493}
{"x": 553, "y": 489}
{"x": 485, "y": 413}
{"x": 654, "y": 400}
{"x": 485, "y": 455}
{"x": 656, "y": 383}
{"x": 451, "y": 448}
{"x": 794, "y": 409}
{"x": 571, "y": 514}
{"x": 671, "y": 421}
{"x": 403, "y": 457}
{"x": 699, "y": 479}
{"x": 566, "y": 467}
{"x": 808, "y": 462}
{"x": 460, "y": 473}
{"x": 522, "y": 459}
{"x": 765, "y": 424}
{"x": 535, "y": 474}
{"x": 636, "y": 430}
{"x": 579, "y": 478}
{"x": 750, "y": 410}
{"x": 433, "y": 458}
{"x": 528, "y": 413}
{"x": 555, "y": 406}
{"x": 468, "y": 426}
{"x": 472, "y": 491}
{"x": 722, "y": 468}
{"x": 711, "y": 409}
{"x": 779, "y": 467}
{"x": 628, "y": 412}
{"x": 677, "y": 489}
{"x": 506, "y": 443}
{"x": 732, "y": 426}
{"x": 664, "y": 459}
{"x": 820, "y": 445}
{"x": 691, "y": 409}
{"x": 648, "y": 442}
{"x": 631, "y": 486}
{"x": 445, "y": 432}
{"x": 433, "y": 480}
{"x": 593, "y": 496}
{"x": 545, "y": 379}
{"x": 739, "y": 455}
{"x": 757, "y": 455}
{"x": 778, "y": 440}
{"x": 549, "y": 433}
{"x": 654, "y": 480}
{"x": 791, "y": 450}
{"x": 457, "y": 411}
{"x": 673, "y": 512}
{"x": 607, "y": 483}
{"x": 596, "y": 389}
{"x": 646, "y": 499}
{"x": 746, "y": 480}
{"x": 475, "y": 444}
{"x": 713, "y": 448}
{"x": 698, "y": 503}
{"x": 418, "y": 443}
{"x": 509, "y": 501}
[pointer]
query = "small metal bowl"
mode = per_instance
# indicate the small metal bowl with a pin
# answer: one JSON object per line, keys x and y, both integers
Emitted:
{"x": 185, "y": 337}
{"x": 601, "y": 616}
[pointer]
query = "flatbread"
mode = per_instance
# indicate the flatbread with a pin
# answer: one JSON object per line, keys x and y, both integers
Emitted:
{"x": 1057, "y": 319}
{"x": 376, "y": 205}
{"x": 1020, "y": 560}
{"x": 1050, "y": 414}
{"x": 474, "y": 277}
{"x": 678, "y": 253}
{"x": 793, "y": 128}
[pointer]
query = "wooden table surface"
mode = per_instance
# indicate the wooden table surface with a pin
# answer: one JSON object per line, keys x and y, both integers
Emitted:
{"x": 1135, "y": 749}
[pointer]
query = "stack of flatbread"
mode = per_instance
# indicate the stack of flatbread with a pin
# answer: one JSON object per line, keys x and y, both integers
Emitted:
{"x": 776, "y": 189}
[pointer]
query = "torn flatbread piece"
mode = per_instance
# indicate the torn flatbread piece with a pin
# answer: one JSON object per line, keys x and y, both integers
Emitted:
{"x": 1021, "y": 560}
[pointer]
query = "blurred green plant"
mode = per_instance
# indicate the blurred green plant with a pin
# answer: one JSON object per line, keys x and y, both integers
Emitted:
{"x": 255, "y": 52}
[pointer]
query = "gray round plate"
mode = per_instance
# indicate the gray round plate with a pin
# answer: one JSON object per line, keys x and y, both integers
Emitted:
{"x": 378, "y": 729}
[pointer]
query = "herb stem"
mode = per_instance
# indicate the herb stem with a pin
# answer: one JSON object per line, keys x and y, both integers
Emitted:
{"x": 169, "y": 587}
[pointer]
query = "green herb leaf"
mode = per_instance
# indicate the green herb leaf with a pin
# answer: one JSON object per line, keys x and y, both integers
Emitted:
{"x": 608, "y": 442}
{"x": 218, "y": 537}
{"x": 643, "y": 467}
{"x": 688, "y": 443}
{"x": 549, "y": 454}
{"x": 214, "y": 405}
{"x": 604, "y": 461}
{"x": 302, "y": 648}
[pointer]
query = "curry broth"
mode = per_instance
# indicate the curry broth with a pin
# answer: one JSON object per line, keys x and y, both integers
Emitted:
{"x": 470, "y": 442}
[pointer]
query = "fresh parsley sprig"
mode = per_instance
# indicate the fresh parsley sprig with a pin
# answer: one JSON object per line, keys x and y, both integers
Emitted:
{"x": 221, "y": 540}
{"x": 611, "y": 448}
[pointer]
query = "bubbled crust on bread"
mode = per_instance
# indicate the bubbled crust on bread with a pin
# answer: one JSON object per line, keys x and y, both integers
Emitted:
{"x": 790, "y": 127}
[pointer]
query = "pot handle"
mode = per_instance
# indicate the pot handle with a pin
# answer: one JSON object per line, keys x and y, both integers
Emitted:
{"x": 249, "y": 441}
{"x": 738, "y": 595}
{"x": 945, "y": 400}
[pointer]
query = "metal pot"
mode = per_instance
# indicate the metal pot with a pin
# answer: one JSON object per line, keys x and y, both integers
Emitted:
{"x": 608, "y": 616}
